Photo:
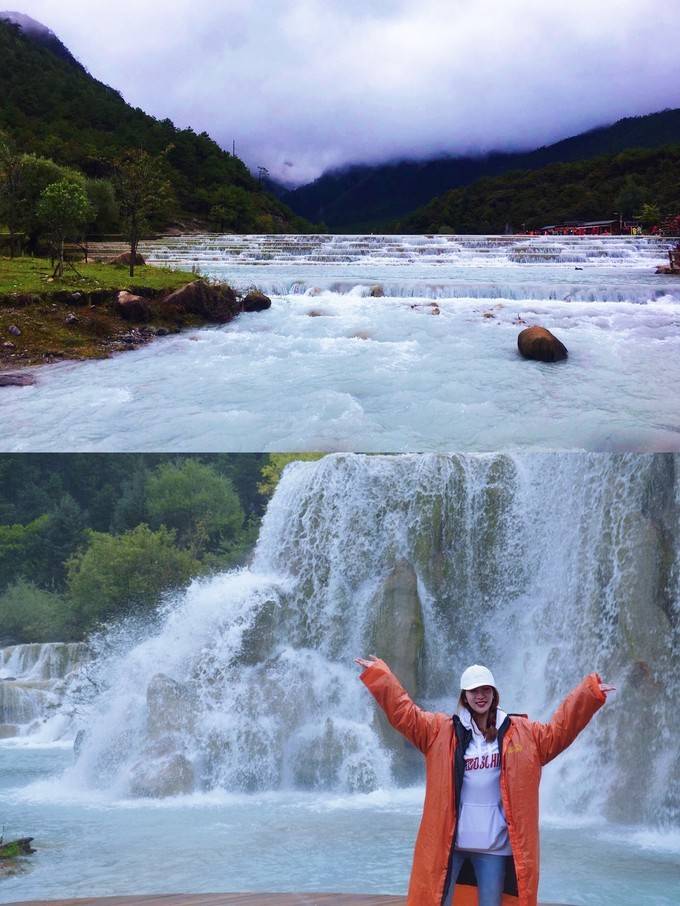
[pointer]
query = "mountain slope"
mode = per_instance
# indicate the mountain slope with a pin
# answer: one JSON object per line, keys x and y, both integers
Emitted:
{"x": 368, "y": 197}
{"x": 52, "y": 107}
{"x": 601, "y": 187}
{"x": 39, "y": 34}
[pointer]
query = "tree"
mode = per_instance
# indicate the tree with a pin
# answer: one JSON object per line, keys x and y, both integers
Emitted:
{"x": 630, "y": 197}
{"x": 61, "y": 535}
{"x": 118, "y": 574}
{"x": 64, "y": 209}
{"x": 20, "y": 548}
{"x": 143, "y": 192}
{"x": 10, "y": 188}
{"x": 36, "y": 174}
{"x": 276, "y": 463}
{"x": 102, "y": 197}
{"x": 30, "y": 614}
{"x": 649, "y": 216}
{"x": 200, "y": 505}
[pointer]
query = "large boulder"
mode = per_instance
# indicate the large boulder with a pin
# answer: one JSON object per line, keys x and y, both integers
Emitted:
{"x": 256, "y": 301}
{"x": 170, "y": 707}
{"x": 213, "y": 303}
{"x": 157, "y": 778}
{"x": 132, "y": 308}
{"x": 398, "y": 636}
{"x": 126, "y": 259}
{"x": 539, "y": 344}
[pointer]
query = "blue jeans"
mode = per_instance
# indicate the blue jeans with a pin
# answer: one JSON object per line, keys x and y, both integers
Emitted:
{"x": 489, "y": 871}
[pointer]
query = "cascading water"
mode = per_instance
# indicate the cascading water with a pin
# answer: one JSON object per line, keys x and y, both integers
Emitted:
{"x": 546, "y": 567}
{"x": 386, "y": 344}
{"x": 33, "y": 678}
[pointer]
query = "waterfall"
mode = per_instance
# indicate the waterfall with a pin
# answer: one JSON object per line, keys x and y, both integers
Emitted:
{"x": 544, "y": 567}
{"x": 33, "y": 679}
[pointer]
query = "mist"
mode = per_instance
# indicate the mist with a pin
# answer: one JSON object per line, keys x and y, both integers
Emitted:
{"x": 302, "y": 86}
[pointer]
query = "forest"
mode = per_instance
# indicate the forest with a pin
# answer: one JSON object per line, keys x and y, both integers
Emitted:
{"x": 58, "y": 115}
{"x": 643, "y": 184}
{"x": 87, "y": 539}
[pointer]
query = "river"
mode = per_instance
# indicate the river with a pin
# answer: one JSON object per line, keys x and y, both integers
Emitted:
{"x": 430, "y": 364}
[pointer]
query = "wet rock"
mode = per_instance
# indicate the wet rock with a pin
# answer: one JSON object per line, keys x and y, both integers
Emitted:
{"x": 9, "y": 379}
{"x": 430, "y": 307}
{"x": 170, "y": 707}
{"x": 158, "y": 778}
{"x": 213, "y": 303}
{"x": 126, "y": 259}
{"x": 256, "y": 301}
{"x": 539, "y": 344}
{"x": 398, "y": 630}
{"x": 79, "y": 742}
{"x": 162, "y": 331}
{"x": 9, "y": 345}
{"x": 14, "y": 330}
{"x": 14, "y": 848}
{"x": 71, "y": 319}
{"x": 132, "y": 308}
{"x": 377, "y": 292}
{"x": 398, "y": 636}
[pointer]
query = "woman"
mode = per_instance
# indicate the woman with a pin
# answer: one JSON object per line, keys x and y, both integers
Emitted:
{"x": 478, "y": 837}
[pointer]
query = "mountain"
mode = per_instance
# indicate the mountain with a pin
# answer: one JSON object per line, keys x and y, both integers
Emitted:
{"x": 594, "y": 189}
{"x": 51, "y": 106}
{"x": 370, "y": 197}
{"x": 39, "y": 34}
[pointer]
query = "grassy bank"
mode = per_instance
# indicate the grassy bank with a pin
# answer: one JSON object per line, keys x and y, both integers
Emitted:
{"x": 44, "y": 320}
{"x": 33, "y": 275}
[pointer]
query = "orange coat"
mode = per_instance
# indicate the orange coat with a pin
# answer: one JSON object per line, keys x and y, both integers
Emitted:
{"x": 526, "y": 746}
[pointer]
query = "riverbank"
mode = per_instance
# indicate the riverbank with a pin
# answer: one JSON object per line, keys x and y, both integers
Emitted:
{"x": 100, "y": 310}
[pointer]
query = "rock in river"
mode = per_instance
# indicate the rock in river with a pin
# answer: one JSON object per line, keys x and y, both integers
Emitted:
{"x": 214, "y": 303}
{"x": 256, "y": 301}
{"x": 10, "y": 379}
{"x": 539, "y": 344}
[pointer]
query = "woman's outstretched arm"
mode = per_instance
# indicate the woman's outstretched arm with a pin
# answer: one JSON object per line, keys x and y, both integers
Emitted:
{"x": 570, "y": 717}
{"x": 418, "y": 726}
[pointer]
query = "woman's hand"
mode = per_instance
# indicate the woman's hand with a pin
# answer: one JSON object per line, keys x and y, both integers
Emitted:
{"x": 605, "y": 687}
{"x": 362, "y": 662}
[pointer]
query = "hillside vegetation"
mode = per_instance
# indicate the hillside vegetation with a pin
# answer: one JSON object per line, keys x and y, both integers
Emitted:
{"x": 52, "y": 108}
{"x": 366, "y": 197}
{"x": 585, "y": 190}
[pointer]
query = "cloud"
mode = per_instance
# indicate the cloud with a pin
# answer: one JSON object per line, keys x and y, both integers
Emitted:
{"x": 303, "y": 85}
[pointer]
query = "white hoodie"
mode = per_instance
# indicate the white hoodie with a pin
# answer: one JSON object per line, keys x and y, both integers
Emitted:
{"x": 481, "y": 822}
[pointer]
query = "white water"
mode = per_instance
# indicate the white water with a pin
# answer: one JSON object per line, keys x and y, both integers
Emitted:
{"x": 329, "y": 367}
{"x": 546, "y": 567}
{"x": 33, "y": 678}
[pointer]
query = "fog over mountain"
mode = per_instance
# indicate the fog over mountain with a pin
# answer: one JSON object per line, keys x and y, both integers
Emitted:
{"x": 307, "y": 85}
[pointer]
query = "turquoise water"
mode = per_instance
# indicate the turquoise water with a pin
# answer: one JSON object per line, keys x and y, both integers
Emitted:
{"x": 284, "y": 841}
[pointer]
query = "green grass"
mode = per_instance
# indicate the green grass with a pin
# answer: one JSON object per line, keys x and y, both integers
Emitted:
{"x": 31, "y": 275}
{"x": 10, "y": 851}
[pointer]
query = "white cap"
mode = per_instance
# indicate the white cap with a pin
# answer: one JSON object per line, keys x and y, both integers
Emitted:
{"x": 477, "y": 676}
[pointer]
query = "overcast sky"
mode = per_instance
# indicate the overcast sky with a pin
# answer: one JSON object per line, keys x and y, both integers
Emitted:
{"x": 304, "y": 85}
